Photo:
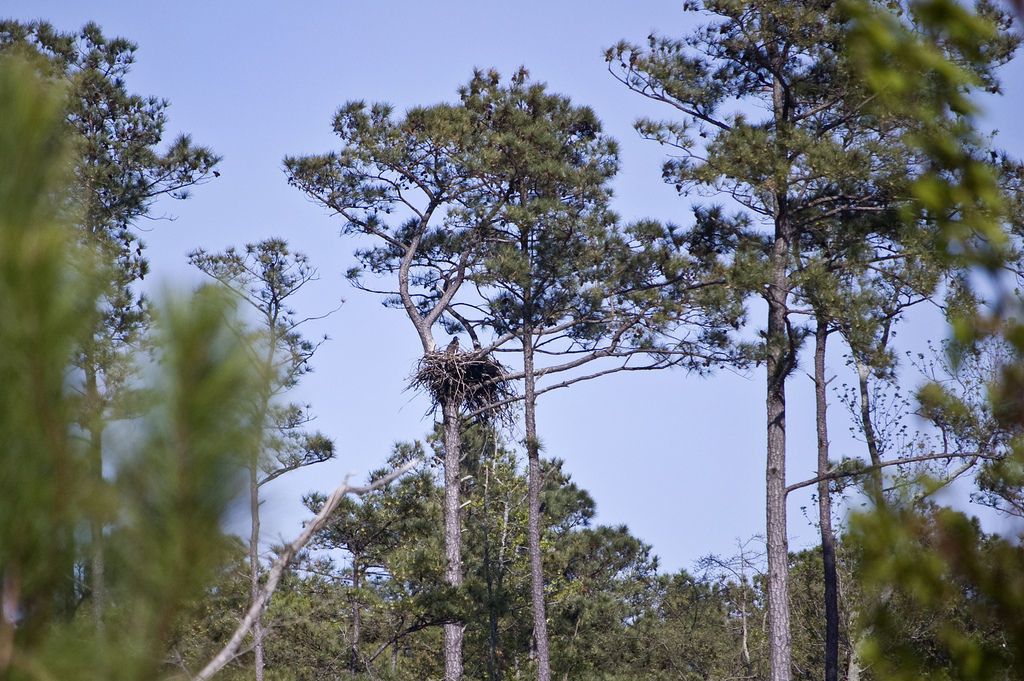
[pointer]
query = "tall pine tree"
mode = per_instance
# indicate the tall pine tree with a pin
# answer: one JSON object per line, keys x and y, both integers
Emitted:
{"x": 121, "y": 167}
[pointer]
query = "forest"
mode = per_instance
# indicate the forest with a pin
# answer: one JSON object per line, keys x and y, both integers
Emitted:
{"x": 838, "y": 187}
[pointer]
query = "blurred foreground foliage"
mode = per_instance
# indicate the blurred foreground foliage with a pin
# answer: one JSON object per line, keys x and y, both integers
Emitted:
{"x": 177, "y": 465}
{"x": 933, "y": 557}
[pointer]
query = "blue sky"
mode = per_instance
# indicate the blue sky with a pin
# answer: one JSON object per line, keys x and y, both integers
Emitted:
{"x": 679, "y": 459}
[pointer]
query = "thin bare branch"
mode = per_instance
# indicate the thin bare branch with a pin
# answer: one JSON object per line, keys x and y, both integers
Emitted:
{"x": 277, "y": 570}
{"x": 838, "y": 475}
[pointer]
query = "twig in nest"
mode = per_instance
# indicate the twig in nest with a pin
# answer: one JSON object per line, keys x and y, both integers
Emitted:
{"x": 471, "y": 379}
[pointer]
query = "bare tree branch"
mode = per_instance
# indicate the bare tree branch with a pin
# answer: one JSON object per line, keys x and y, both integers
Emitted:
{"x": 837, "y": 475}
{"x": 277, "y": 570}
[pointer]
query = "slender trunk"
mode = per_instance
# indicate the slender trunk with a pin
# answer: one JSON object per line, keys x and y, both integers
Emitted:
{"x": 254, "y": 565}
{"x": 540, "y": 624}
{"x": 853, "y": 667}
{"x": 828, "y": 541}
{"x": 875, "y": 480}
{"x": 744, "y": 645}
{"x": 254, "y": 496}
{"x": 775, "y": 507}
{"x": 97, "y": 557}
{"x": 744, "y": 615}
{"x": 779, "y": 363}
{"x": 263, "y": 415}
{"x": 875, "y": 487}
{"x": 492, "y": 621}
{"x": 357, "y": 616}
{"x": 492, "y": 605}
{"x": 853, "y": 636}
{"x": 452, "y": 534}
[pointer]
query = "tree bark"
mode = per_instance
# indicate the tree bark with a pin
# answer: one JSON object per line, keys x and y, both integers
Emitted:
{"x": 254, "y": 565}
{"x": 779, "y": 363}
{"x": 254, "y": 493}
{"x": 828, "y": 541}
{"x": 875, "y": 483}
{"x": 775, "y": 506}
{"x": 540, "y": 624}
{"x": 853, "y": 667}
{"x": 453, "y": 631}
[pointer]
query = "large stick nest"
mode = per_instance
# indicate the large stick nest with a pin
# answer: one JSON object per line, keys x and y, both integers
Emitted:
{"x": 471, "y": 379}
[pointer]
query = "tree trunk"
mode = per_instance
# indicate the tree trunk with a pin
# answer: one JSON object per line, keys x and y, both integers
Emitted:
{"x": 492, "y": 605}
{"x": 853, "y": 667}
{"x": 540, "y": 624}
{"x": 254, "y": 565}
{"x": 254, "y": 491}
{"x": 452, "y": 534}
{"x": 744, "y": 614}
{"x": 97, "y": 558}
{"x": 875, "y": 480}
{"x": 875, "y": 487}
{"x": 357, "y": 616}
{"x": 828, "y": 541}
{"x": 779, "y": 363}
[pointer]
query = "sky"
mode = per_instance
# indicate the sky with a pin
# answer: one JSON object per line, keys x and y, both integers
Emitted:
{"x": 677, "y": 458}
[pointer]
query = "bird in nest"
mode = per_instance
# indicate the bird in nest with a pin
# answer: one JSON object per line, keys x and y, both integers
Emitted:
{"x": 453, "y": 347}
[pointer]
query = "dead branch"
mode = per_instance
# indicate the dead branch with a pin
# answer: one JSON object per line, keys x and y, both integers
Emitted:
{"x": 837, "y": 475}
{"x": 277, "y": 570}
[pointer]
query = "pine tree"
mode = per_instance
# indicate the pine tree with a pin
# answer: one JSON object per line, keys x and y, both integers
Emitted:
{"x": 265, "y": 276}
{"x": 414, "y": 184}
{"x": 823, "y": 154}
{"x": 564, "y": 285}
{"x": 120, "y": 170}
{"x": 174, "y": 479}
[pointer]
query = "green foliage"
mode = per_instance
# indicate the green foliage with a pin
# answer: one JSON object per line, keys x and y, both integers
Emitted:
{"x": 415, "y": 182}
{"x": 967, "y": 585}
{"x": 826, "y": 161}
{"x": 557, "y": 266}
{"x": 925, "y": 61}
{"x": 266, "y": 276}
{"x": 119, "y": 170}
{"x": 946, "y": 597}
{"x": 46, "y": 295}
{"x": 872, "y": 161}
{"x": 382, "y": 556}
{"x": 173, "y": 480}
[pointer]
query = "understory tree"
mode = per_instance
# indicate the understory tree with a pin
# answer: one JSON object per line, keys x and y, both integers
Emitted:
{"x": 265, "y": 276}
{"x": 387, "y": 539}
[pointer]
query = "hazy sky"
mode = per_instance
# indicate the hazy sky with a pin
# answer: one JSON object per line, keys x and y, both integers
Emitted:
{"x": 680, "y": 460}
